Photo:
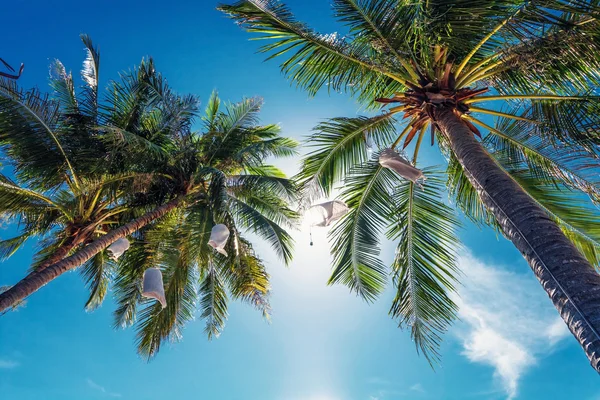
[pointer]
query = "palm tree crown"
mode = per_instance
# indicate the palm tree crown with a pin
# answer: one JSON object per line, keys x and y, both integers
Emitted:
{"x": 84, "y": 169}
{"x": 538, "y": 59}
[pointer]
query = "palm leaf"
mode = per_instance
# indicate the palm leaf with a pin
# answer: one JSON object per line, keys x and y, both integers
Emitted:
{"x": 248, "y": 217}
{"x": 550, "y": 162}
{"x": 156, "y": 325}
{"x": 8, "y": 247}
{"x": 341, "y": 145}
{"x": 98, "y": 273}
{"x": 247, "y": 277}
{"x": 425, "y": 268}
{"x": 213, "y": 302}
{"x": 90, "y": 73}
{"x": 355, "y": 242}
{"x": 314, "y": 60}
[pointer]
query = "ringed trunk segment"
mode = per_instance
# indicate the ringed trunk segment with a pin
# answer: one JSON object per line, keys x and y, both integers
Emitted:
{"x": 35, "y": 280}
{"x": 570, "y": 281}
{"x": 61, "y": 253}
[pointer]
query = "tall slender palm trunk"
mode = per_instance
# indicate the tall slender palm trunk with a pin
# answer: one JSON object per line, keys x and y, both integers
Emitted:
{"x": 571, "y": 282}
{"x": 35, "y": 280}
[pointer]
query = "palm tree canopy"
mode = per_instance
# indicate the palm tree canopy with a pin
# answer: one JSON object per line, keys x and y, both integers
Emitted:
{"x": 86, "y": 163}
{"x": 223, "y": 174}
{"x": 535, "y": 67}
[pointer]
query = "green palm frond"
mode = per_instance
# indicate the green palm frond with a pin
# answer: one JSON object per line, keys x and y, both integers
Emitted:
{"x": 562, "y": 56}
{"x": 211, "y": 112}
{"x": 255, "y": 153}
{"x": 27, "y": 135}
{"x": 556, "y": 162}
{"x": 341, "y": 144}
{"x": 233, "y": 128}
{"x": 61, "y": 82}
{"x": 575, "y": 217}
{"x": 156, "y": 325}
{"x": 213, "y": 302}
{"x": 98, "y": 273}
{"x": 90, "y": 75}
{"x": 265, "y": 170}
{"x": 425, "y": 268}
{"x": 129, "y": 141}
{"x": 196, "y": 228}
{"x": 8, "y": 247}
{"x": 15, "y": 200}
{"x": 247, "y": 277}
{"x": 280, "y": 187}
{"x": 314, "y": 60}
{"x": 239, "y": 116}
{"x": 127, "y": 98}
{"x": 355, "y": 238}
{"x": 249, "y": 217}
{"x": 127, "y": 284}
{"x": 373, "y": 23}
{"x": 569, "y": 121}
{"x": 269, "y": 205}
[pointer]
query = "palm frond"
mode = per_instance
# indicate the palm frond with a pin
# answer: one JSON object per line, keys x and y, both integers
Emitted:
{"x": 98, "y": 273}
{"x": 61, "y": 82}
{"x": 27, "y": 135}
{"x": 156, "y": 325}
{"x": 280, "y": 187}
{"x": 550, "y": 162}
{"x": 212, "y": 111}
{"x": 265, "y": 170}
{"x": 127, "y": 284}
{"x": 377, "y": 23}
{"x": 90, "y": 75}
{"x": 15, "y": 199}
{"x": 249, "y": 217}
{"x": 315, "y": 60}
{"x": 8, "y": 247}
{"x": 269, "y": 205}
{"x": 354, "y": 239}
{"x": 241, "y": 115}
{"x": 255, "y": 153}
{"x": 425, "y": 268}
{"x": 247, "y": 277}
{"x": 341, "y": 144}
{"x": 213, "y": 302}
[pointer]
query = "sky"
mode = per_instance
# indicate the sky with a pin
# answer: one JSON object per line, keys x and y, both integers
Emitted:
{"x": 323, "y": 343}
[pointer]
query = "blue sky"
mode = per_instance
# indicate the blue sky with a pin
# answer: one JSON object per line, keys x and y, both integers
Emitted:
{"x": 323, "y": 343}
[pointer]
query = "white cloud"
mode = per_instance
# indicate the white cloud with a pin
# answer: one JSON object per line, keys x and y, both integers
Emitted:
{"x": 8, "y": 364}
{"x": 417, "y": 387}
{"x": 508, "y": 320}
{"x": 100, "y": 388}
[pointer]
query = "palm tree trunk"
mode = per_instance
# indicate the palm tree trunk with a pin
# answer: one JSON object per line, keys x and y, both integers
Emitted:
{"x": 35, "y": 280}
{"x": 59, "y": 254}
{"x": 570, "y": 281}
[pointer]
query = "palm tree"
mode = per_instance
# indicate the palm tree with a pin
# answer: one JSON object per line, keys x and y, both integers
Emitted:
{"x": 228, "y": 183}
{"x": 434, "y": 62}
{"x": 71, "y": 182}
{"x": 220, "y": 174}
